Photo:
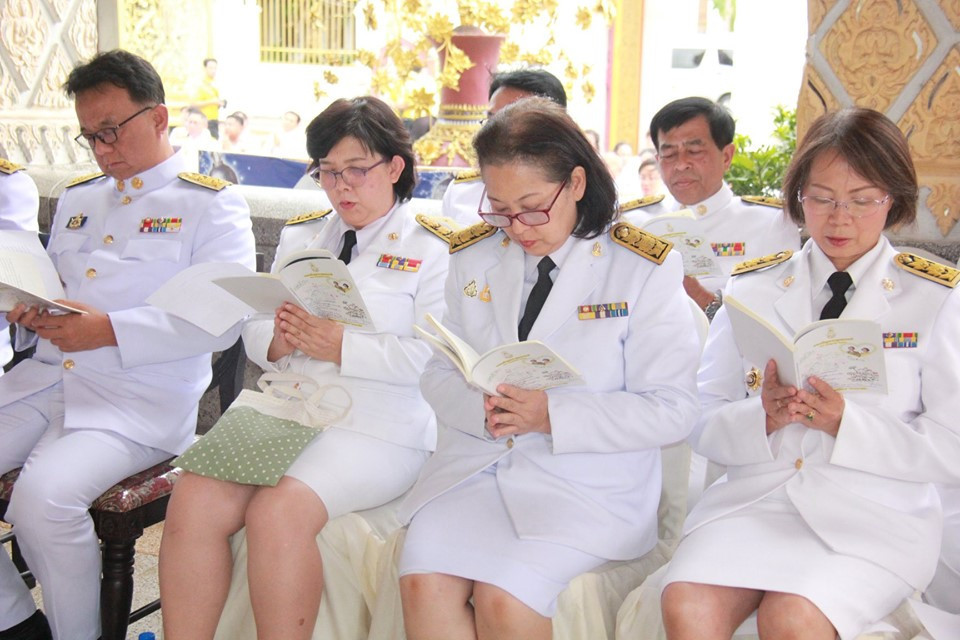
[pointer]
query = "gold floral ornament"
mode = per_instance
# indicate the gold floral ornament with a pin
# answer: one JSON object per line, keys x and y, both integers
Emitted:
{"x": 427, "y": 149}
{"x": 420, "y": 102}
{"x": 370, "y": 16}
{"x": 330, "y": 77}
{"x": 367, "y": 58}
{"x": 584, "y": 18}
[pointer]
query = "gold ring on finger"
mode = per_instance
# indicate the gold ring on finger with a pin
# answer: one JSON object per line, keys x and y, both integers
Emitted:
{"x": 811, "y": 415}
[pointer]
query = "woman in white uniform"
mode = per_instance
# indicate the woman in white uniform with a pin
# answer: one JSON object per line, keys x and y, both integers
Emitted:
{"x": 365, "y": 164}
{"x": 530, "y": 488}
{"x": 829, "y": 517}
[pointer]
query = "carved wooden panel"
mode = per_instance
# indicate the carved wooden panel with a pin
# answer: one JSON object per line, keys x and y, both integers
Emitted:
{"x": 815, "y": 100}
{"x": 875, "y": 47}
{"x": 816, "y": 9}
{"x": 952, "y": 9}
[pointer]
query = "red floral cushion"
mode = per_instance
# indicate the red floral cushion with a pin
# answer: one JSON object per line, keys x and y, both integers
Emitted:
{"x": 128, "y": 494}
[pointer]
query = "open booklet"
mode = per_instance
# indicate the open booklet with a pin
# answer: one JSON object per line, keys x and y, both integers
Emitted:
{"x": 845, "y": 353}
{"x": 27, "y": 275}
{"x": 683, "y": 229}
{"x": 529, "y": 364}
{"x": 313, "y": 279}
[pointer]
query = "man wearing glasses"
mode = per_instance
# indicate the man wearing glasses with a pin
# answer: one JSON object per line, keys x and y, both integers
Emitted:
{"x": 112, "y": 390}
{"x": 464, "y": 195}
{"x": 694, "y": 142}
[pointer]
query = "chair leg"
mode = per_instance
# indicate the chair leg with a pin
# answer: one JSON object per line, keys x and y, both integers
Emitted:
{"x": 116, "y": 588}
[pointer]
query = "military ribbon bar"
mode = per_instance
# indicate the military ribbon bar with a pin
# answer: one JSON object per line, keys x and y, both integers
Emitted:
{"x": 899, "y": 340}
{"x": 722, "y": 249}
{"x": 400, "y": 264}
{"x": 160, "y": 225}
{"x": 606, "y": 310}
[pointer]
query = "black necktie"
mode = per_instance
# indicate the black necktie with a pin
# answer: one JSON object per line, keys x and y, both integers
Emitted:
{"x": 349, "y": 242}
{"x": 538, "y": 295}
{"x": 839, "y": 282}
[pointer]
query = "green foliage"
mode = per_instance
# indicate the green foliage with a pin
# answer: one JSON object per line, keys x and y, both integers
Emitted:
{"x": 759, "y": 171}
{"x": 727, "y": 10}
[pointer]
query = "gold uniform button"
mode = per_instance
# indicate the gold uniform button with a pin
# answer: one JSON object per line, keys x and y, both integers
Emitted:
{"x": 137, "y": 183}
{"x": 510, "y": 443}
{"x": 127, "y": 200}
{"x": 798, "y": 464}
{"x": 107, "y": 239}
{"x": 120, "y": 185}
{"x": 702, "y": 209}
{"x": 68, "y": 364}
{"x": 91, "y": 273}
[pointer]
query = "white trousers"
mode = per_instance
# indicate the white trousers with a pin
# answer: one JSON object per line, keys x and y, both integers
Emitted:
{"x": 64, "y": 471}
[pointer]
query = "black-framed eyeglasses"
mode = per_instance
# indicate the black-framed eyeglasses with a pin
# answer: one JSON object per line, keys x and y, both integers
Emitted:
{"x": 531, "y": 218}
{"x": 107, "y": 135}
{"x": 352, "y": 176}
{"x": 857, "y": 207}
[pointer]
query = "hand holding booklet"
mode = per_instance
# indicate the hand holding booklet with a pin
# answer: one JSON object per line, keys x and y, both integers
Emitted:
{"x": 683, "y": 229}
{"x": 845, "y": 353}
{"x": 313, "y": 279}
{"x": 529, "y": 364}
{"x": 27, "y": 275}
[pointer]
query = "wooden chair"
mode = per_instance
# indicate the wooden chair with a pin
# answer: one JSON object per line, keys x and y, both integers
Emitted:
{"x": 122, "y": 513}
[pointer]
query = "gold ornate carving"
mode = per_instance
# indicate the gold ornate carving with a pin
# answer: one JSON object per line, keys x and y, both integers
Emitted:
{"x": 944, "y": 203}
{"x": 932, "y": 127}
{"x": 816, "y": 9}
{"x": 815, "y": 100}
{"x": 952, "y": 9}
{"x": 875, "y": 47}
{"x": 455, "y": 141}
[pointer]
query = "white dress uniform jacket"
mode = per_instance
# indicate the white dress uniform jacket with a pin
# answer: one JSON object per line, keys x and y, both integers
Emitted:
{"x": 737, "y": 230}
{"x": 19, "y": 206}
{"x": 594, "y": 483}
{"x": 461, "y": 200}
{"x": 381, "y": 370}
{"x": 146, "y": 388}
{"x": 866, "y": 493}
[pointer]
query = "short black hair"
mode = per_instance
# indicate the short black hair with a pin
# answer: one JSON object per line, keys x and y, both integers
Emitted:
{"x": 209, "y": 60}
{"x": 678, "y": 112}
{"x": 374, "y": 124}
{"x": 537, "y": 82}
{"x": 295, "y": 115}
{"x": 121, "y": 69}
{"x": 539, "y": 132}
{"x": 239, "y": 116}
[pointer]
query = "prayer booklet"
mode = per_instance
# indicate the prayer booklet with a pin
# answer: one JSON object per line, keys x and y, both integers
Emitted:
{"x": 529, "y": 364}
{"x": 682, "y": 229}
{"x": 847, "y": 354}
{"x": 27, "y": 275}
{"x": 314, "y": 280}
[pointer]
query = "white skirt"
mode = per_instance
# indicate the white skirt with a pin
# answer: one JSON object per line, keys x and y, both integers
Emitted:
{"x": 351, "y": 471}
{"x": 767, "y": 546}
{"x": 467, "y": 532}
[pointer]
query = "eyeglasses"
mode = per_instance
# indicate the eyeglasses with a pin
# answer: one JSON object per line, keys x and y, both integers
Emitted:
{"x": 857, "y": 208}
{"x": 107, "y": 135}
{"x": 531, "y": 218}
{"x": 352, "y": 176}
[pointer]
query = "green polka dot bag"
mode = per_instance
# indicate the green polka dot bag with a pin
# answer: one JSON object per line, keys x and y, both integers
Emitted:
{"x": 257, "y": 439}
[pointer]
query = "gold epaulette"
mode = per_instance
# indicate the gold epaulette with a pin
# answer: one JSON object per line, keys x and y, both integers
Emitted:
{"x": 307, "y": 217}
{"x": 640, "y": 203}
{"x": 84, "y": 179}
{"x": 9, "y": 167}
{"x": 761, "y": 263}
{"x": 766, "y": 201}
{"x": 209, "y": 182}
{"x": 939, "y": 273}
{"x": 441, "y": 227}
{"x": 653, "y": 248}
{"x": 463, "y": 238}
{"x": 467, "y": 176}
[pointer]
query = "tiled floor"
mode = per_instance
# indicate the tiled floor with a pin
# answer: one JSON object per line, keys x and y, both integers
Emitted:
{"x": 145, "y": 580}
